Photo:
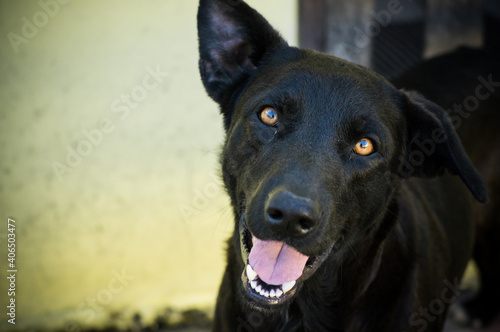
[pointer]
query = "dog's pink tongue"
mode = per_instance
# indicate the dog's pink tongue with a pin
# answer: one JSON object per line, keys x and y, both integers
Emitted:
{"x": 275, "y": 262}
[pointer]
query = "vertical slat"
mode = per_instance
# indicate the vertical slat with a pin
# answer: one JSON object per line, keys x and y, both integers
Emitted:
{"x": 349, "y": 30}
{"x": 336, "y": 27}
{"x": 312, "y": 23}
{"x": 492, "y": 25}
{"x": 400, "y": 44}
{"x": 451, "y": 23}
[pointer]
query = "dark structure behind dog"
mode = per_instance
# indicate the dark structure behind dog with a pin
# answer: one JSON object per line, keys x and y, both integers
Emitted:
{"x": 352, "y": 199}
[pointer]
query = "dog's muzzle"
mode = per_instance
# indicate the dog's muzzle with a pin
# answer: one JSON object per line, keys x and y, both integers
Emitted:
{"x": 273, "y": 270}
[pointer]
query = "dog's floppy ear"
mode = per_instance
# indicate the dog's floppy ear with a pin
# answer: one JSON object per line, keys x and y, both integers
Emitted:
{"x": 433, "y": 146}
{"x": 232, "y": 40}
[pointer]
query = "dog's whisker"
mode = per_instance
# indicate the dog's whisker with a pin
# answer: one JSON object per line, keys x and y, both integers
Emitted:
{"x": 273, "y": 136}
{"x": 225, "y": 215}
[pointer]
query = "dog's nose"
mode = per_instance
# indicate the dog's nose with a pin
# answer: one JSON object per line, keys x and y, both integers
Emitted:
{"x": 291, "y": 215}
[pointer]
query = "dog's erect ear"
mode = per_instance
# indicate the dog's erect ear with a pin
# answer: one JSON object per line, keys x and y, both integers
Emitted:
{"x": 232, "y": 40}
{"x": 433, "y": 146}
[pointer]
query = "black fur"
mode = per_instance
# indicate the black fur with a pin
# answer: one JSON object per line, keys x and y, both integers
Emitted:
{"x": 399, "y": 220}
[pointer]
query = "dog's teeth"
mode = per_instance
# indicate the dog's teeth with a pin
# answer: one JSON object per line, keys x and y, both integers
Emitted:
{"x": 258, "y": 288}
{"x": 251, "y": 274}
{"x": 279, "y": 292}
{"x": 262, "y": 292}
{"x": 253, "y": 283}
{"x": 287, "y": 286}
{"x": 272, "y": 293}
{"x": 266, "y": 293}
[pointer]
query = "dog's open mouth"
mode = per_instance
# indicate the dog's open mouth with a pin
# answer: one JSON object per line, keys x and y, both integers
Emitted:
{"x": 274, "y": 270}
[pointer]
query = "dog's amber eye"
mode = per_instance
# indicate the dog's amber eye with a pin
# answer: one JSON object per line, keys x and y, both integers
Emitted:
{"x": 269, "y": 116}
{"x": 364, "y": 147}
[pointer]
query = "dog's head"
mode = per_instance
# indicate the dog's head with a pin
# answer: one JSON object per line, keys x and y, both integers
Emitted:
{"x": 315, "y": 148}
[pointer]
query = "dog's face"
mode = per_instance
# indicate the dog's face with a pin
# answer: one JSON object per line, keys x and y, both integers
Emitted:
{"x": 309, "y": 166}
{"x": 315, "y": 148}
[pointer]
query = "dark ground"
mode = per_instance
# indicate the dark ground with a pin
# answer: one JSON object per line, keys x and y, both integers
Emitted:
{"x": 450, "y": 327}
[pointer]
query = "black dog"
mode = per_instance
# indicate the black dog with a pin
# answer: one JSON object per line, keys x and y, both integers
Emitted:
{"x": 338, "y": 224}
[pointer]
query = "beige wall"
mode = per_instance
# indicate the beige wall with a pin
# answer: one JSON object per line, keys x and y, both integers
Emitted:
{"x": 118, "y": 206}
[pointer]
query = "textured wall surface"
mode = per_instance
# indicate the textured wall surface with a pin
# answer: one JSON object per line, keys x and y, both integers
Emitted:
{"x": 108, "y": 161}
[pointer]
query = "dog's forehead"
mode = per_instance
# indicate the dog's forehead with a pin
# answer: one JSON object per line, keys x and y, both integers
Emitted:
{"x": 316, "y": 81}
{"x": 318, "y": 75}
